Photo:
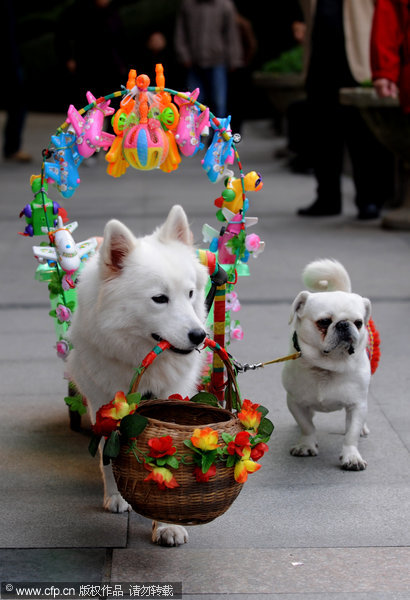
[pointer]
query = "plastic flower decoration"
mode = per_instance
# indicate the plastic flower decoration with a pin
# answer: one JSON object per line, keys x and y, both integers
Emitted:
{"x": 249, "y": 416}
{"x": 259, "y": 450}
{"x": 160, "y": 447}
{"x": 63, "y": 313}
{"x": 244, "y": 466}
{"x": 236, "y": 331}
{"x": 239, "y": 444}
{"x": 232, "y": 302}
{"x": 205, "y": 439}
{"x": 109, "y": 416}
{"x": 162, "y": 476}
{"x": 202, "y": 477}
{"x": 178, "y": 397}
{"x": 253, "y": 243}
{"x": 62, "y": 348}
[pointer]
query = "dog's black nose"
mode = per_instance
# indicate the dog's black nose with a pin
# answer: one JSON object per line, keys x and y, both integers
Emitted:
{"x": 342, "y": 326}
{"x": 196, "y": 336}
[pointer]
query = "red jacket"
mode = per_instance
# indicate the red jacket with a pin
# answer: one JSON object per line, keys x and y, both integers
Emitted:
{"x": 390, "y": 46}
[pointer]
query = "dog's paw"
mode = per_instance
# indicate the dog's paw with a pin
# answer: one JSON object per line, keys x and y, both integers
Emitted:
{"x": 116, "y": 504}
{"x": 351, "y": 459}
{"x": 169, "y": 535}
{"x": 305, "y": 447}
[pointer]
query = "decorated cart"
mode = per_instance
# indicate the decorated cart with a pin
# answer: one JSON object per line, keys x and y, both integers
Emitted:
{"x": 174, "y": 460}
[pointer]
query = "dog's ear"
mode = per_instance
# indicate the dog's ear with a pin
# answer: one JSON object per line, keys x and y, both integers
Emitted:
{"x": 117, "y": 244}
{"x": 367, "y": 310}
{"x": 176, "y": 227}
{"x": 298, "y": 305}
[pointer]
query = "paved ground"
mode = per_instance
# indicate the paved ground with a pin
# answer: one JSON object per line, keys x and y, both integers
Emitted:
{"x": 301, "y": 528}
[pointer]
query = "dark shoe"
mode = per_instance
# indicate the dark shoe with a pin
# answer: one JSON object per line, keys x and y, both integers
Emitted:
{"x": 371, "y": 211}
{"x": 319, "y": 209}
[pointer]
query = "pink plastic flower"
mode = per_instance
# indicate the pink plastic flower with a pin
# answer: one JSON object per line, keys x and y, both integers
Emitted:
{"x": 237, "y": 332}
{"x": 63, "y": 313}
{"x": 232, "y": 302}
{"x": 252, "y": 242}
{"x": 63, "y": 348}
{"x": 209, "y": 357}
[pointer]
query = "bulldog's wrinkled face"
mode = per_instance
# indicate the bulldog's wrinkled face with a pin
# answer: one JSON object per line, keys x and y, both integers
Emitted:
{"x": 333, "y": 323}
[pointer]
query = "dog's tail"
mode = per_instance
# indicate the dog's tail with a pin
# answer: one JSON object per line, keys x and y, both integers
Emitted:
{"x": 326, "y": 275}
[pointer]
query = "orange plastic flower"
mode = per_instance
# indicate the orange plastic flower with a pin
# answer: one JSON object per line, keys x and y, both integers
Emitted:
{"x": 249, "y": 416}
{"x": 205, "y": 439}
{"x": 163, "y": 477}
{"x": 161, "y": 447}
{"x": 245, "y": 466}
{"x": 108, "y": 416}
{"x": 117, "y": 408}
{"x": 204, "y": 477}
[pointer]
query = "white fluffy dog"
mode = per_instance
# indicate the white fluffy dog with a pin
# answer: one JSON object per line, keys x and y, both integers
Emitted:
{"x": 133, "y": 293}
{"x": 333, "y": 371}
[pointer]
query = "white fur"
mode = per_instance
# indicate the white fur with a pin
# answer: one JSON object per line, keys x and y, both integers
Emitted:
{"x": 120, "y": 307}
{"x": 333, "y": 371}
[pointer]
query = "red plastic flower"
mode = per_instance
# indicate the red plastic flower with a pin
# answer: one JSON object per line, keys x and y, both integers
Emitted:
{"x": 178, "y": 397}
{"x": 241, "y": 441}
{"x": 249, "y": 416}
{"x": 104, "y": 426}
{"x": 161, "y": 447}
{"x": 204, "y": 477}
{"x": 259, "y": 450}
{"x": 162, "y": 476}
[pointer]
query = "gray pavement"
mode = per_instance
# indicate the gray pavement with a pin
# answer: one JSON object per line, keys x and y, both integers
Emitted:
{"x": 301, "y": 528}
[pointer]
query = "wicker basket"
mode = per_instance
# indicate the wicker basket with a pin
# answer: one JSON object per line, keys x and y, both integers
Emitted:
{"x": 192, "y": 503}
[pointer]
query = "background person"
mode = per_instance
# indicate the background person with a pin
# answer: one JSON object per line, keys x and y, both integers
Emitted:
{"x": 337, "y": 55}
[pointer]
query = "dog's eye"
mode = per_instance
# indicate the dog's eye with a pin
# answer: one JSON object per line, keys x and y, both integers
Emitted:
{"x": 191, "y": 293}
{"x": 160, "y": 299}
{"x": 324, "y": 323}
{"x": 359, "y": 323}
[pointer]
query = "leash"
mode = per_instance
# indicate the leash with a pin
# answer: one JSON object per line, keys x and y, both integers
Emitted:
{"x": 242, "y": 368}
{"x": 247, "y": 367}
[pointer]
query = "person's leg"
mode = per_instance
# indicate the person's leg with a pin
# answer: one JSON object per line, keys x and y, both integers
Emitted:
{"x": 327, "y": 144}
{"x": 218, "y": 90}
{"x": 372, "y": 165}
{"x": 13, "y": 130}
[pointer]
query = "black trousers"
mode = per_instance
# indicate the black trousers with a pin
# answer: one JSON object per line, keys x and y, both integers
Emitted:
{"x": 335, "y": 128}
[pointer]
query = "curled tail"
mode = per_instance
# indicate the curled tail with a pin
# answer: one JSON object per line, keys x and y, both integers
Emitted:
{"x": 326, "y": 275}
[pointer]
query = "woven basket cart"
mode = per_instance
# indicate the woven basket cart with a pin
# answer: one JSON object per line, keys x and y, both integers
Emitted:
{"x": 192, "y": 503}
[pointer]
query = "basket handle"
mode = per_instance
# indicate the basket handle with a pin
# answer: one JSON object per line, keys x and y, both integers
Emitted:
{"x": 164, "y": 345}
{"x": 215, "y": 347}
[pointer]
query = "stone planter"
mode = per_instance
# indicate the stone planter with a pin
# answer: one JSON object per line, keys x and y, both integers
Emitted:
{"x": 386, "y": 119}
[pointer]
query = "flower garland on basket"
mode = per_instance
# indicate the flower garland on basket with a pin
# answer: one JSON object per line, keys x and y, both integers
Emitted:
{"x": 119, "y": 422}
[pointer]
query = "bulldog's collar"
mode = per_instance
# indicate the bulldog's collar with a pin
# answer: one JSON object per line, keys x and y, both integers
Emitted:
{"x": 296, "y": 342}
